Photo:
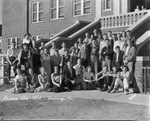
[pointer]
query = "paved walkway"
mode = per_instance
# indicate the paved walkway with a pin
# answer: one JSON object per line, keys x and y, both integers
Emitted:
{"x": 140, "y": 99}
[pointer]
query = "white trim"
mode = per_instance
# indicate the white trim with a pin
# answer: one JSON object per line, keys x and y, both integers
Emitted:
{"x": 82, "y": 8}
{"x": 57, "y": 10}
{"x": 37, "y": 12}
{"x": 107, "y": 9}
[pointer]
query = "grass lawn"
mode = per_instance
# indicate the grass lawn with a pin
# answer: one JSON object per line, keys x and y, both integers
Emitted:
{"x": 74, "y": 108}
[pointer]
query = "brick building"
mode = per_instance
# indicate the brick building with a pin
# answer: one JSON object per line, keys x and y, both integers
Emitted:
{"x": 67, "y": 20}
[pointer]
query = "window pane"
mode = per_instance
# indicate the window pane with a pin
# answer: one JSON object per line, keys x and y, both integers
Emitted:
{"x": 40, "y": 6}
{"x": 77, "y": 7}
{"x": 18, "y": 43}
{"x": 77, "y": 1}
{"x": 61, "y": 2}
{"x": 54, "y": 2}
{"x": 40, "y": 16}
{"x": 13, "y": 39}
{"x": 108, "y": 4}
{"x": 9, "y": 41}
{"x": 61, "y": 12}
{"x": 53, "y": 13}
{"x": 34, "y": 17}
{"x": 87, "y": 4}
{"x": 77, "y": 12}
{"x": 34, "y": 7}
{"x": 87, "y": 10}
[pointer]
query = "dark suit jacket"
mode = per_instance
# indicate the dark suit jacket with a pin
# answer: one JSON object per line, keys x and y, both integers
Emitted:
{"x": 67, "y": 74}
{"x": 119, "y": 63}
{"x": 107, "y": 51}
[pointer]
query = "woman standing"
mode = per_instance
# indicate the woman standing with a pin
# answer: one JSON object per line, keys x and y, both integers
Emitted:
{"x": 27, "y": 40}
{"x": 46, "y": 62}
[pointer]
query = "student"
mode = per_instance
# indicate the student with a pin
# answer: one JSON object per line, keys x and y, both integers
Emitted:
{"x": 69, "y": 76}
{"x": 79, "y": 41}
{"x": 131, "y": 38}
{"x": 117, "y": 58}
{"x": 57, "y": 80}
{"x": 89, "y": 79}
{"x": 94, "y": 57}
{"x": 27, "y": 40}
{"x": 65, "y": 58}
{"x": 35, "y": 58}
{"x": 130, "y": 60}
{"x": 21, "y": 83}
{"x": 73, "y": 57}
{"x": 84, "y": 55}
{"x": 125, "y": 76}
{"x": 12, "y": 58}
{"x": 32, "y": 80}
{"x": 53, "y": 49}
{"x": 24, "y": 57}
{"x": 56, "y": 60}
{"x": 46, "y": 62}
{"x": 106, "y": 54}
{"x": 87, "y": 38}
{"x": 102, "y": 79}
{"x": 80, "y": 69}
{"x": 43, "y": 79}
{"x": 62, "y": 50}
{"x": 113, "y": 76}
{"x": 41, "y": 48}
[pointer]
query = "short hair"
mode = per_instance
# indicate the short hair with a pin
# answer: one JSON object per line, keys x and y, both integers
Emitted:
{"x": 41, "y": 68}
{"x": 117, "y": 47}
{"x": 110, "y": 31}
{"x": 13, "y": 42}
{"x": 124, "y": 66}
{"x": 27, "y": 34}
{"x": 88, "y": 68}
{"x": 25, "y": 44}
{"x": 128, "y": 31}
{"x": 105, "y": 34}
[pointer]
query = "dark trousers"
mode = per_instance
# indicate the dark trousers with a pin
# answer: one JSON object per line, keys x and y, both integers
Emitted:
{"x": 69, "y": 84}
{"x": 85, "y": 62}
{"x": 9, "y": 67}
{"x": 57, "y": 89}
{"x": 102, "y": 82}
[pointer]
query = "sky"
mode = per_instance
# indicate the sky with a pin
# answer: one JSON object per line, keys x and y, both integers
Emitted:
{"x": 0, "y": 11}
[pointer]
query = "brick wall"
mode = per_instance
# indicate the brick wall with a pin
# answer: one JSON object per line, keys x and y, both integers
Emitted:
{"x": 54, "y": 26}
{"x": 14, "y": 20}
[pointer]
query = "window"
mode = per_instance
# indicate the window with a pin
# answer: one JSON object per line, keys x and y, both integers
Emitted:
{"x": 57, "y": 9}
{"x": 16, "y": 39}
{"x": 37, "y": 37}
{"x": 37, "y": 12}
{"x": 107, "y": 4}
{"x": 82, "y": 7}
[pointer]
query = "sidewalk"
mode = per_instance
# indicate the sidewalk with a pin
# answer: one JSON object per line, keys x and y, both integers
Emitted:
{"x": 139, "y": 99}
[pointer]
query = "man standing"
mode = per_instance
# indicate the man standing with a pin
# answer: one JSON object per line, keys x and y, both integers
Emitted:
{"x": 84, "y": 55}
{"x": 62, "y": 50}
{"x": 106, "y": 53}
{"x": 130, "y": 60}
{"x": 53, "y": 49}
{"x": 12, "y": 58}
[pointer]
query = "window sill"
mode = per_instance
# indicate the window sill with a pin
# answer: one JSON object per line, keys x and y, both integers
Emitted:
{"x": 82, "y": 15}
{"x": 38, "y": 22}
{"x": 107, "y": 10}
{"x": 55, "y": 19}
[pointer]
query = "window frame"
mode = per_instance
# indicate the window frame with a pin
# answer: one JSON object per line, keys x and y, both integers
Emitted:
{"x": 37, "y": 12}
{"x": 105, "y": 6}
{"x": 16, "y": 38}
{"x": 57, "y": 7}
{"x": 82, "y": 8}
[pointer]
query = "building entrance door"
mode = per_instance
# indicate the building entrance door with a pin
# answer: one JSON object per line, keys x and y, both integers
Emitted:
{"x": 134, "y": 3}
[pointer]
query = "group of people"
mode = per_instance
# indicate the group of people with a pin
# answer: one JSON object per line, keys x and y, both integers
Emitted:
{"x": 96, "y": 62}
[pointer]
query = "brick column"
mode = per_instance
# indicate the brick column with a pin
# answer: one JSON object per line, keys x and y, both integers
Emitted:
{"x": 141, "y": 61}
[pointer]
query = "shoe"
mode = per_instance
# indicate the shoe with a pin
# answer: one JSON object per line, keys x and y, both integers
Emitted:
{"x": 110, "y": 90}
{"x": 113, "y": 91}
{"x": 125, "y": 92}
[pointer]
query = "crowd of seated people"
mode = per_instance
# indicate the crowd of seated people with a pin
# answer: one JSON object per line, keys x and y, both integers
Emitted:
{"x": 102, "y": 62}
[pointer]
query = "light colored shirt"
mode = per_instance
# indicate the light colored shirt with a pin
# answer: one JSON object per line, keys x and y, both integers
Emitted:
{"x": 62, "y": 52}
{"x": 52, "y": 51}
{"x": 118, "y": 43}
{"x": 26, "y": 41}
{"x": 102, "y": 45}
{"x": 126, "y": 51}
{"x": 12, "y": 52}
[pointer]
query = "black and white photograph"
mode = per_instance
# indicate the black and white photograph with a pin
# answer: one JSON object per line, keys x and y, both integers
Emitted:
{"x": 75, "y": 60}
